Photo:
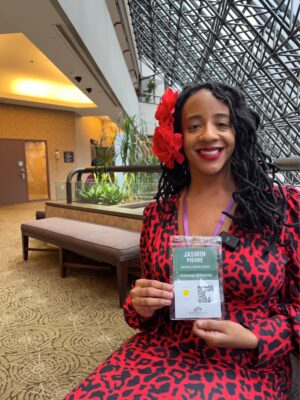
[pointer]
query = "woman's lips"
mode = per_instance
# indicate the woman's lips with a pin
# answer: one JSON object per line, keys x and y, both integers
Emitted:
{"x": 210, "y": 153}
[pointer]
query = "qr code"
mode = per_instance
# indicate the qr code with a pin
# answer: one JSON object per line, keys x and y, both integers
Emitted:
{"x": 205, "y": 293}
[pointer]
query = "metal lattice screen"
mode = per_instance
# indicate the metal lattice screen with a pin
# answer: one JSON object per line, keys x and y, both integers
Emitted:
{"x": 252, "y": 44}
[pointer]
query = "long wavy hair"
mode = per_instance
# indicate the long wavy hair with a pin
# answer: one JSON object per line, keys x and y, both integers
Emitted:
{"x": 260, "y": 208}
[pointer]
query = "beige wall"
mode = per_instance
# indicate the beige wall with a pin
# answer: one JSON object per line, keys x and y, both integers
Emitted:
{"x": 109, "y": 131}
{"x": 86, "y": 128}
{"x": 62, "y": 130}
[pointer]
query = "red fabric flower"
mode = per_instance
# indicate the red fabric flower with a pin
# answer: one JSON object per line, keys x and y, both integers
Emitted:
{"x": 164, "y": 112}
{"x": 166, "y": 145}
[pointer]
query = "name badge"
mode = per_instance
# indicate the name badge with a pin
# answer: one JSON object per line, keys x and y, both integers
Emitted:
{"x": 196, "y": 277}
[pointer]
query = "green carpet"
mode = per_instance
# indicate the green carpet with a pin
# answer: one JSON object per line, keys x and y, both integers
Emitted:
{"x": 54, "y": 331}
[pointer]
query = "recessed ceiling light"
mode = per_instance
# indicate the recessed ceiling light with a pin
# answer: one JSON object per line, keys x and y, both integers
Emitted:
{"x": 49, "y": 90}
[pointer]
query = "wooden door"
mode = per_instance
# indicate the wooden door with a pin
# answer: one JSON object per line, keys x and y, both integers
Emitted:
{"x": 13, "y": 179}
{"x": 36, "y": 170}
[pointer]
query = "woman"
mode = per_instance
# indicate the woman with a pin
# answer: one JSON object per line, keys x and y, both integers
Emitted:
{"x": 207, "y": 143}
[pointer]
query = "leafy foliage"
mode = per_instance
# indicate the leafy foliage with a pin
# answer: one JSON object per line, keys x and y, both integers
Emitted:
{"x": 104, "y": 191}
{"x": 90, "y": 193}
{"x": 135, "y": 145}
{"x": 134, "y": 150}
{"x": 111, "y": 192}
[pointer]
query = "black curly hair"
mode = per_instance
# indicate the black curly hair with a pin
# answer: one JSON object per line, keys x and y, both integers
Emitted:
{"x": 259, "y": 206}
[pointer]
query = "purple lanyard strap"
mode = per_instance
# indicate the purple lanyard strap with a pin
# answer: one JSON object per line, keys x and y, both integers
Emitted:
{"x": 219, "y": 224}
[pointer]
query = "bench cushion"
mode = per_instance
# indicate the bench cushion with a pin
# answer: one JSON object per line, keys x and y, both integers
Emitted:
{"x": 100, "y": 242}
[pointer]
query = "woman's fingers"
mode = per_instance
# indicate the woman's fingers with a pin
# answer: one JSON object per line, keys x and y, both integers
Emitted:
{"x": 152, "y": 289}
{"x": 214, "y": 325}
{"x": 145, "y": 283}
{"x": 211, "y": 337}
{"x": 153, "y": 302}
{"x": 151, "y": 292}
{"x": 225, "y": 334}
{"x": 150, "y": 295}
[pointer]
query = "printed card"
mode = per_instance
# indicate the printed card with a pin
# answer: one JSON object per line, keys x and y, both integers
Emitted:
{"x": 196, "y": 278}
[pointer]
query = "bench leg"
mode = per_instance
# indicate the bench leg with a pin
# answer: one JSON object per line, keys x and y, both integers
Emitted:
{"x": 25, "y": 241}
{"x": 62, "y": 260}
{"x": 122, "y": 278}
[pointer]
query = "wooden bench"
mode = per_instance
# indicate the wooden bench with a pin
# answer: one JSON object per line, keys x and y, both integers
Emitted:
{"x": 104, "y": 244}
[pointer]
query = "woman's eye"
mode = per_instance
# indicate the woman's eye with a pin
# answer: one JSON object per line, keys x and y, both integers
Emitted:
{"x": 193, "y": 127}
{"x": 222, "y": 125}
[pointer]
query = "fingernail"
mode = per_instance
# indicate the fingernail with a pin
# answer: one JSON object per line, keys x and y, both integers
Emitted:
{"x": 200, "y": 324}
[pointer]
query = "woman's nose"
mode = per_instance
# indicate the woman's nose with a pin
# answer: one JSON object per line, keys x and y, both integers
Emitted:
{"x": 208, "y": 133}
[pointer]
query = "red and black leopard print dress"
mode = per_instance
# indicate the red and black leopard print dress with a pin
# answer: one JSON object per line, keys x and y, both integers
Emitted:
{"x": 166, "y": 361}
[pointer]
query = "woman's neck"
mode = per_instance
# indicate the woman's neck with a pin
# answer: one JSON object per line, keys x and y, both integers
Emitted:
{"x": 211, "y": 186}
{"x": 204, "y": 203}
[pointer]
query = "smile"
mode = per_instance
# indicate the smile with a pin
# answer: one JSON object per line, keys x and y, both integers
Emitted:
{"x": 210, "y": 153}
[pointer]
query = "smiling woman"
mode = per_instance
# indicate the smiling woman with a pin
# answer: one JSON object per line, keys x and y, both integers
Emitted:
{"x": 215, "y": 177}
{"x": 208, "y": 134}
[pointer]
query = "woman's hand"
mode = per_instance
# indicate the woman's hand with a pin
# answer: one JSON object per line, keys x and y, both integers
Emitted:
{"x": 225, "y": 334}
{"x": 150, "y": 295}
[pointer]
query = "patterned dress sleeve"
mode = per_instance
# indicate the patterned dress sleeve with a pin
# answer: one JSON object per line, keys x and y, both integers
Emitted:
{"x": 131, "y": 316}
{"x": 280, "y": 334}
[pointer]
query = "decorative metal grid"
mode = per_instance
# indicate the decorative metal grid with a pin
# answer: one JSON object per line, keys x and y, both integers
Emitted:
{"x": 252, "y": 44}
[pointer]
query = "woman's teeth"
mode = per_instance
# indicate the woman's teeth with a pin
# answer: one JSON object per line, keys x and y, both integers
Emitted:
{"x": 209, "y": 152}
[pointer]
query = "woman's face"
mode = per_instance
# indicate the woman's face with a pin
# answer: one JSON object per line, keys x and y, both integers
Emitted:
{"x": 208, "y": 136}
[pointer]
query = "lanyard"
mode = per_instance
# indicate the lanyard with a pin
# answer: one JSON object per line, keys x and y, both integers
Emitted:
{"x": 219, "y": 224}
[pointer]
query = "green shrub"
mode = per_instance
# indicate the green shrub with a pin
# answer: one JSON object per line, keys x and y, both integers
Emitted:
{"x": 105, "y": 190}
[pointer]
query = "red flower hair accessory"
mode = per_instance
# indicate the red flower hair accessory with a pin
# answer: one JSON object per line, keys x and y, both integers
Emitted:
{"x": 166, "y": 144}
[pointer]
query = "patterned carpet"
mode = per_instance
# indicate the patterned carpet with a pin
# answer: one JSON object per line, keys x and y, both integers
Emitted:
{"x": 54, "y": 331}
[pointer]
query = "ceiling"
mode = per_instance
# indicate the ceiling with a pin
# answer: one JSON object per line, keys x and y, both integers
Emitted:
{"x": 252, "y": 44}
{"x": 37, "y": 44}
{"x": 30, "y": 76}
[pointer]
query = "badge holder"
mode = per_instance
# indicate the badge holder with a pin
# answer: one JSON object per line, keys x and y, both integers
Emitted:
{"x": 197, "y": 278}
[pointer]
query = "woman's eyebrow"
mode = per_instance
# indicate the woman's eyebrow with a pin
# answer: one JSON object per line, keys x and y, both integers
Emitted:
{"x": 221, "y": 115}
{"x": 218, "y": 115}
{"x": 194, "y": 116}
